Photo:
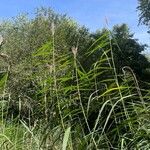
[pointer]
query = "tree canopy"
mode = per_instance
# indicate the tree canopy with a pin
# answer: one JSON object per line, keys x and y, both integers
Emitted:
{"x": 144, "y": 12}
{"x": 126, "y": 49}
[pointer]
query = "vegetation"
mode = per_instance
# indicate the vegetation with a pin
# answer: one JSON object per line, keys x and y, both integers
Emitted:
{"x": 144, "y": 15}
{"x": 127, "y": 51}
{"x": 62, "y": 87}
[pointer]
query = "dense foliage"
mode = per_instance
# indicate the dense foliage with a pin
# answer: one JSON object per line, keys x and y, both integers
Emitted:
{"x": 127, "y": 51}
{"x": 62, "y": 87}
{"x": 144, "y": 9}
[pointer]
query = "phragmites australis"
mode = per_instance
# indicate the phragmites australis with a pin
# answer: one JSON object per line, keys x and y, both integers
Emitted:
{"x": 1, "y": 39}
{"x": 49, "y": 66}
{"x": 2, "y": 55}
{"x": 53, "y": 28}
{"x": 74, "y": 51}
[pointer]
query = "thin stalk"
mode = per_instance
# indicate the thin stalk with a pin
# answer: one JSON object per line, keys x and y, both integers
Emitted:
{"x": 79, "y": 94}
{"x": 54, "y": 75}
{"x": 117, "y": 82}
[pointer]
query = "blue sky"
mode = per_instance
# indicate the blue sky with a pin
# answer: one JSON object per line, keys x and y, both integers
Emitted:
{"x": 91, "y": 13}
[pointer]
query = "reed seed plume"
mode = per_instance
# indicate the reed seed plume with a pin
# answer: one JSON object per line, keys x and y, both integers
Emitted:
{"x": 74, "y": 51}
{"x": 1, "y": 39}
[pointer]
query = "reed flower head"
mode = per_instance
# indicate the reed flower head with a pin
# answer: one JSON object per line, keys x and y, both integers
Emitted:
{"x": 53, "y": 28}
{"x": 1, "y": 39}
{"x": 50, "y": 67}
{"x": 74, "y": 50}
{"x": 5, "y": 56}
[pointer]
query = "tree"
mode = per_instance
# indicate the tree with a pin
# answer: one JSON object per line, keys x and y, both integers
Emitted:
{"x": 127, "y": 50}
{"x": 144, "y": 9}
{"x": 26, "y": 36}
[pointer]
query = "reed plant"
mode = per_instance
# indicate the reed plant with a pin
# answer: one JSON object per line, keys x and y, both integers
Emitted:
{"x": 73, "y": 108}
